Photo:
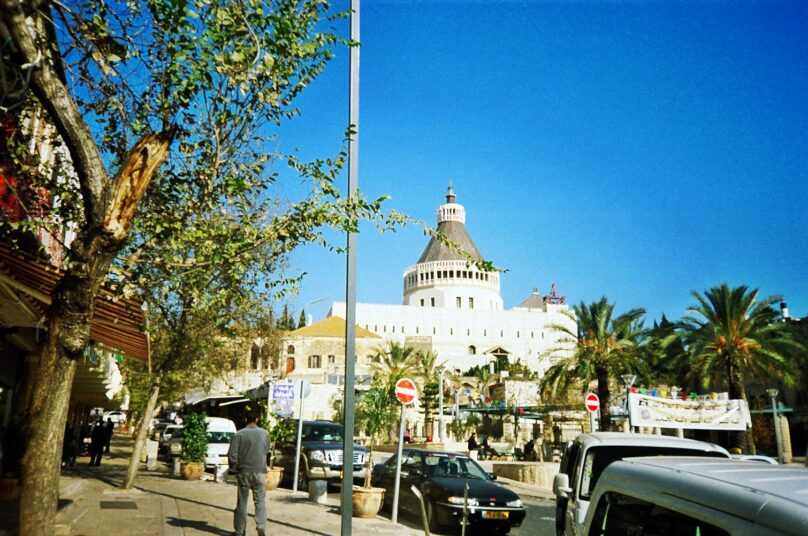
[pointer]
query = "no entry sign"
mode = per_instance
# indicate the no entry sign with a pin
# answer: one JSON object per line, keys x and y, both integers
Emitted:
{"x": 405, "y": 391}
{"x": 592, "y": 403}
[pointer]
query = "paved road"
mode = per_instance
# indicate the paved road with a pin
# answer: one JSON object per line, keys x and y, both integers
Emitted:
{"x": 539, "y": 520}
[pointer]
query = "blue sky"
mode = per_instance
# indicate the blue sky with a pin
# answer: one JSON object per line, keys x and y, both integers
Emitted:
{"x": 633, "y": 150}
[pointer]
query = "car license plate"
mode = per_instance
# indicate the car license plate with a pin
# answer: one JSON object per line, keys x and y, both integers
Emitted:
{"x": 488, "y": 514}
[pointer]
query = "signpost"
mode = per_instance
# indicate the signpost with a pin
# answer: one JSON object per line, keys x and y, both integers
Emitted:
{"x": 302, "y": 390}
{"x": 592, "y": 405}
{"x": 406, "y": 393}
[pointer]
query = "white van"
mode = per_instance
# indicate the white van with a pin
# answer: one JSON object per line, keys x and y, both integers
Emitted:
{"x": 670, "y": 496}
{"x": 588, "y": 455}
{"x": 220, "y": 433}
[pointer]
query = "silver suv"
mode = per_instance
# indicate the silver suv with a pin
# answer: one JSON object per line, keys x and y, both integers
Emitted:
{"x": 589, "y": 454}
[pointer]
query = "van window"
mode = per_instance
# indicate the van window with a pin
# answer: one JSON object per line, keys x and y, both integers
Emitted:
{"x": 598, "y": 458}
{"x": 617, "y": 515}
{"x": 220, "y": 437}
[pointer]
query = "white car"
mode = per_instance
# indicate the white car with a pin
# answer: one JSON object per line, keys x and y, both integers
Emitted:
{"x": 114, "y": 416}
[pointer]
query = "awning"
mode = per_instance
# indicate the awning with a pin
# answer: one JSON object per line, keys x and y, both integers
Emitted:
{"x": 28, "y": 281}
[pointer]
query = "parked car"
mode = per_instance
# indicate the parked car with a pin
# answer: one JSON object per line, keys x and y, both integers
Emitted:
{"x": 687, "y": 495}
{"x": 320, "y": 453}
{"x": 158, "y": 428}
{"x": 588, "y": 455}
{"x": 441, "y": 478}
{"x": 220, "y": 433}
{"x": 114, "y": 416}
{"x": 165, "y": 438}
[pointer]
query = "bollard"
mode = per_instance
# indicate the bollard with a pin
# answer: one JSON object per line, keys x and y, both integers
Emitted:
{"x": 175, "y": 466}
{"x": 221, "y": 473}
{"x": 318, "y": 491}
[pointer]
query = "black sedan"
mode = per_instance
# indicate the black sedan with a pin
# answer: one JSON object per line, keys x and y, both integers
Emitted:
{"x": 441, "y": 478}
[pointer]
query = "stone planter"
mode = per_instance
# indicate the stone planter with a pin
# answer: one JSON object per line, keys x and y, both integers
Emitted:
{"x": 192, "y": 470}
{"x": 367, "y": 501}
{"x": 273, "y": 477}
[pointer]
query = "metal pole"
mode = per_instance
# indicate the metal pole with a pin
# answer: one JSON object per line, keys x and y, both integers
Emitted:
{"x": 424, "y": 519}
{"x": 440, "y": 406}
{"x": 299, "y": 434}
{"x": 350, "y": 282}
{"x": 465, "y": 509}
{"x": 773, "y": 394}
{"x": 394, "y": 517}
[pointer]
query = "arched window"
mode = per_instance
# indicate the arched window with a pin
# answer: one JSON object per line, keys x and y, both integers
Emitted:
{"x": 290, "y": 349}
{"x": 472, "y": 350}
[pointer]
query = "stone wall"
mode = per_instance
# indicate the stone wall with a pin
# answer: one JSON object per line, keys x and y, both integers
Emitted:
{"x": 533, "y": 473}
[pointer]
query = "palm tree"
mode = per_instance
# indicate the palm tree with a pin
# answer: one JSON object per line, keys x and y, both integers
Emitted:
{"x": 732, "y": 335}
{"x": 605, "y": 347}
{"x": 484, "y": 378}
{"x": 393, "y": 362}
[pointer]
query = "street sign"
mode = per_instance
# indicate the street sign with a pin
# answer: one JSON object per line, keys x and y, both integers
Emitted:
{"x": 405, "y": 391}
{"x": 283, "y": 398}
{"x": 592, "y": 403}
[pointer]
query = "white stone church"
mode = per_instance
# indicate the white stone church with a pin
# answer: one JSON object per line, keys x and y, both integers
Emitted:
{"x": 449, "y": 307}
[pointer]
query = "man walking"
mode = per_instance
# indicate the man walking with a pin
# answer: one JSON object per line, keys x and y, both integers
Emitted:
{"x": 247, "y": 457}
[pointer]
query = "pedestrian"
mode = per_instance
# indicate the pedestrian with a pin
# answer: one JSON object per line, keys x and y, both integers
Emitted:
{"x": 530, "y": 450}
{"x": 473, "y": 446}
{"x": 70, "y": 447}
{"x": 486, "y": 451}
{"x": 247, "y": 457}
{"x": 108, "y": 429}
{"x": 97, "y": 440}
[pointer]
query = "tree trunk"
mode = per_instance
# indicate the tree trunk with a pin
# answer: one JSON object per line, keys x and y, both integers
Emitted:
{"x": 140, "y": 440}
{"x": 605, "y": 397}
{"x": 743, "y": 440}
{"x": 41, "y": 463}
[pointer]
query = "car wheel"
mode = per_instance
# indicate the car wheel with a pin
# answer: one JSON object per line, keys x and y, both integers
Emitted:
{"x": 302, "y": 479}
{"x": 432, "y": 517}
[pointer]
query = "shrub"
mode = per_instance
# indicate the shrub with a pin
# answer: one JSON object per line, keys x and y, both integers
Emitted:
{"x": 194, "y": 437}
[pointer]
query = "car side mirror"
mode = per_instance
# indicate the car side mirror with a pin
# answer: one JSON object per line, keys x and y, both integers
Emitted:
{"x": 493, "y": 476}
{"x": 561, "y": 485}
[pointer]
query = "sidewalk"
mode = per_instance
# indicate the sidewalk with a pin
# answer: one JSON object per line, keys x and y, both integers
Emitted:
{"x": 92, "y": 504}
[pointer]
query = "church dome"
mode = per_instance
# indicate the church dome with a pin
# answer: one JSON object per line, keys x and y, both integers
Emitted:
{"x": 446, "y": 277}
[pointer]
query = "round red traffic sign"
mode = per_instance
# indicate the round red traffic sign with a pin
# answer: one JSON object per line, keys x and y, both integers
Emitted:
{"x": 592, "y": 402}
{"x": 405, "y": 391}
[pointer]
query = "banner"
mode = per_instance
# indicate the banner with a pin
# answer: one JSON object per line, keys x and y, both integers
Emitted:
{"x": 656, "y": 412}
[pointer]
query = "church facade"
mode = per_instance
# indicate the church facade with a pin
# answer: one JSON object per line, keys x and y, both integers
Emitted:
{"x": 455, "y": 309}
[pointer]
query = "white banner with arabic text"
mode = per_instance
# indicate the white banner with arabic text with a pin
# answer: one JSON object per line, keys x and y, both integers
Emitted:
{"x": 656, "y": 412}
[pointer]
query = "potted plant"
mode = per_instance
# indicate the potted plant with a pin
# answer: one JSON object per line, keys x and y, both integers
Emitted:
{"x": 375, "y": 412}
{"x": 194, "y": 446}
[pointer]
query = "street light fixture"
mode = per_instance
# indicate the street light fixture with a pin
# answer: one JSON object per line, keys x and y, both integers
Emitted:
{"x": 773, "y": 394}
{"x": 628, "y": 380}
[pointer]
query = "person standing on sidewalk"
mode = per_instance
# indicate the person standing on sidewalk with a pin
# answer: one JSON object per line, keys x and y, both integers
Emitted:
{"x": 97, "y": 440}
{"x": 247, "y": 457}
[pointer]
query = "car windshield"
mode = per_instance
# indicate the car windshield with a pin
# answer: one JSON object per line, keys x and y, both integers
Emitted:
{"x": 322, "y": 432}
{"x": 449, "y": 465}
{"x": 598, "y": 458}
{"x": 220, "y": 437}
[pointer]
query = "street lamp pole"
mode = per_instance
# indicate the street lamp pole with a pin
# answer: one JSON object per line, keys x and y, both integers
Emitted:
{"x": 773, "y": 394}
{"x": 629, "y": 380}
{"x": 440, "y": 404}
